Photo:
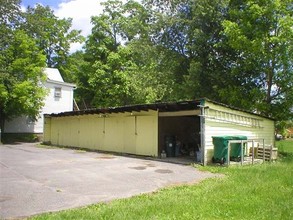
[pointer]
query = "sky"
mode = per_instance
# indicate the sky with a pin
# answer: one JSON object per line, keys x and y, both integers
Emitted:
{"x": 79, "y": 10}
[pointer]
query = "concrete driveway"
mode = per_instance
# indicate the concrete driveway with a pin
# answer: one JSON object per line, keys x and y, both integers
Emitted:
{"x": 36, "y": 180}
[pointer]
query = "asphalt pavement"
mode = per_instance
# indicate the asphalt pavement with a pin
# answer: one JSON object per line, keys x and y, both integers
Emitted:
{"x": 35, "y": 180}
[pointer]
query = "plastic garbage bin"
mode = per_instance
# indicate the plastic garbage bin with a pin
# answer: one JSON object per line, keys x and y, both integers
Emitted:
{"x": 221, "y": 148}
{"x": 170, "y": 145}
{"x": 235, "y": 150}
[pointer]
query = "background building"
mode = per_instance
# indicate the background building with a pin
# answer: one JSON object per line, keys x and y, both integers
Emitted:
{"x": 59, "y": 99}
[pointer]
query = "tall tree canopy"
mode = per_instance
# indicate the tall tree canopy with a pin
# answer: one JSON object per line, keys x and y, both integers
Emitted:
{"x": 21, "y": 63}
{"x": 261, "y": 32}
{"x": 236, "y": 52}
{"x": 53, "y": 36}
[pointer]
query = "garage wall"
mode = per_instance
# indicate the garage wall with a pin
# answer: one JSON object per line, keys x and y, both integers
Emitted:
{"x": 221, "y": 120}
{"x": 134, "y": 133}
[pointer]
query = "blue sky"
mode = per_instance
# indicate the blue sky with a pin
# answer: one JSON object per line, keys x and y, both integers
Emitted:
{"x": 79, "y": 10}
{"x": 51, "y": 3}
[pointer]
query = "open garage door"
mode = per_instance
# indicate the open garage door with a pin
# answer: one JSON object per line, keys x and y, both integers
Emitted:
{"x": 179, "y": 136}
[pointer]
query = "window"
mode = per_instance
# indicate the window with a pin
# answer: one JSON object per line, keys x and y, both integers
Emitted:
{"x": 57, "y": 92}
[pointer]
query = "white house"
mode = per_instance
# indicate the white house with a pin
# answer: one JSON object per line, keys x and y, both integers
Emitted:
{"x": 59, "y": 99}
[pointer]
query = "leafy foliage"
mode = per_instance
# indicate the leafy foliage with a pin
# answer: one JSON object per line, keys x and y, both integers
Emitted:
{"x": 21, "y": 72}
{"x": 261, "y": 33}
{"x": 21, "y": 64}
{"x": 52, "y": 35}
{"x": 235, "y": 52}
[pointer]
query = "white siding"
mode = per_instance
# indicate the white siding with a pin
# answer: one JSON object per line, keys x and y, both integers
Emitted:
{"x": 235, "y": 123}
{"x": 52, "y": 105}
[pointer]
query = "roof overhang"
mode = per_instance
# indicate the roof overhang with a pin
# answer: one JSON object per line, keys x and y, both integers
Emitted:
{"x": 61, "y": 83}
{"x": 164, "y": 109}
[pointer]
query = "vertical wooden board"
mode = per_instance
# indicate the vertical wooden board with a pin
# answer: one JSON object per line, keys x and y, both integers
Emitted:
{"x": 59, "y": 131}
{"x": 47, "y": 129}
{"x": 119, "y": 136}
{"x": 99, "y": 135}
{"x": 129, "y": 134}
{"x": 96, "y": 132}
{"x": 54, "y": 131}
{"x": 146, "y": 138}
{"x": 111, "y": 140}
{"x": 62, "y": 134}
{"x": 83, "y": 132}
{"x": 71, "y": 131}
{"x": 87, "y": 132}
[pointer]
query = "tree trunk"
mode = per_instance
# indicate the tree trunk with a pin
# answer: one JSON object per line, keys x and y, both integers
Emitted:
{"x": 270, "y": 81}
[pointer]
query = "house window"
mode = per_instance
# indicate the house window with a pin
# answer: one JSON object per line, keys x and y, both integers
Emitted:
{"x": 57, "y": 92}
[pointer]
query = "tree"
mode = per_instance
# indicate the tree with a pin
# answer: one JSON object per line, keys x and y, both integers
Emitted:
{"x": 261, "y": 32}
{"x": 121, "y": 61}
{"x": 52, "y": 34}
{"x": 21, "y": 73}
{"x": 235, "y": 52}
{"x": 192, "y": 31}
{"x": 107, "y": 60}
{"x": 230, "y": 49}
{"x": 21, "y": 64}
{"x": 282, "y": 126}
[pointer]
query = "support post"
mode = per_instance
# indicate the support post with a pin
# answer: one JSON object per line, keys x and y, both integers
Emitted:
{"x": 263, "y": 150}
{"x": 202, "y": 135}
{"x": 252, "y": 152}
{"x": 241, "y": 153}
{"x": 228, "y": 153}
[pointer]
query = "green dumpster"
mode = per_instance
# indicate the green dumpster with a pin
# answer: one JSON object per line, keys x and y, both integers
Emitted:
{"x": 221, "y": 148}
{"x": 235, "y": 150}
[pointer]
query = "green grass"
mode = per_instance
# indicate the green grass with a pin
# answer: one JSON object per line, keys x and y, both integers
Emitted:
{"x": 249, "y": 192}
{"x": 285, "y": 146}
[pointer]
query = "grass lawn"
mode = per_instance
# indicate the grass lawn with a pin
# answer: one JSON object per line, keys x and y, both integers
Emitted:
{"x": 249, "y": 192}
{"x": 285, "y": 146}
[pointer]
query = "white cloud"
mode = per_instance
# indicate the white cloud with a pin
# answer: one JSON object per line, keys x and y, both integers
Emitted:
{"x": 81, "y": 12}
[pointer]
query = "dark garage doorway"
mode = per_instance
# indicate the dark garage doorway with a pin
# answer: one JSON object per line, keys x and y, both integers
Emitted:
{"x": 182, "y": 133}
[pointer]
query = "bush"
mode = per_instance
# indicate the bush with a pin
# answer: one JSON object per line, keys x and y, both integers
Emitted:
{"x": 22, "y": 137}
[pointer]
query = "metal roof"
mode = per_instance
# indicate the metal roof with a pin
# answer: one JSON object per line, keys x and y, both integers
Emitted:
{"x": 158, "y": 106}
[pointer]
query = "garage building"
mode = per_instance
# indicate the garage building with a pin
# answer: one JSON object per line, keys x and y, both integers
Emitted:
{"x": 148, "y": 129}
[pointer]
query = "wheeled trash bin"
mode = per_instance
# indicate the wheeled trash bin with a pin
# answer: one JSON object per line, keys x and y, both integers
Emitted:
{"x": 221, "y": 148}
{"x": 235, "y": 150}
{"x": 170, "y": 145}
